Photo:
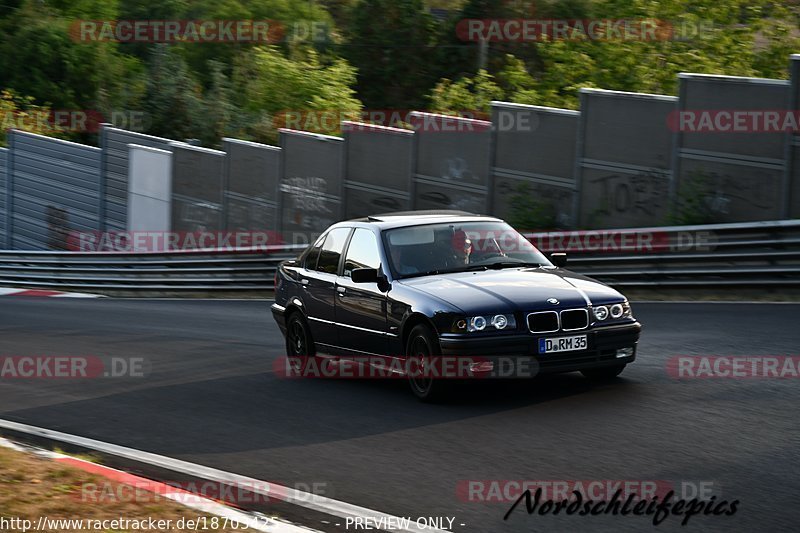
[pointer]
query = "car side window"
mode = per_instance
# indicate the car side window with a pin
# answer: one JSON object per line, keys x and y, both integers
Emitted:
{"x": 362, "y": 252}
{"x": 310, "y": 262}
{"x": 332, "y": 250}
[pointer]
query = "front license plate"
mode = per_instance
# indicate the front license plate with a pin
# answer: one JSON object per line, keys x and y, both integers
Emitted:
{"x": 563, "y": 344}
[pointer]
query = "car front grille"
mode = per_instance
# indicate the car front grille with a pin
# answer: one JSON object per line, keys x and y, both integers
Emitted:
{"x": 543, "y": 322}
{"x": 574, "y": 319}
{"x": 552, "y": 321}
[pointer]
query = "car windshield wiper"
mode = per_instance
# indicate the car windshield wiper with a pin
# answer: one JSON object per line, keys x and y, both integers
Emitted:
{"x": 471, "y": 268}
{"x": 505, "y": 264}
{"x": 433, "y": 272}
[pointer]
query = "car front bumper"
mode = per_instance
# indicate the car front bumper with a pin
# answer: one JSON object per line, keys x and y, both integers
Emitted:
{"x": 517, "y": 355}
{"x": 279, "y": 314}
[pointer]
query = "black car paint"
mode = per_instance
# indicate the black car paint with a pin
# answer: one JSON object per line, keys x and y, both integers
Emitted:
{"x": 347, "y": 318}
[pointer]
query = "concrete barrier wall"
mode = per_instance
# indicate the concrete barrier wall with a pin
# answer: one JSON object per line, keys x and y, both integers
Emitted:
{"x": 53, "y": 191}
{"x": 624, "y": 160}
{"x": 379, "y": 165}
{"x": 3, "y": 211}
{"x": 252, "y": 178}
{"x": 311, "y": 183}
{"x": 533, "y": 165}
{"x": 114, "y": 142}
{"x": 149, "y": 190}
{"x": 197, "y": 196}
{"x": 453, "y": 158}
{"x": 733, "y": 174}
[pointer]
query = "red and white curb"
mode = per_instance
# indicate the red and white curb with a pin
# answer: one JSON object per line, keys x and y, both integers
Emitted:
{"x": 321, "y": 504}
{"x": 185, "y": 498}
{"x": 46, "y": 293}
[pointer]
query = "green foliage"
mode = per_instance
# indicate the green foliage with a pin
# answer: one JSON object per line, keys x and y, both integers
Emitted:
{"x": 691, "y": 205}
{"x": 466, "y": 94}
{"x": 388, "y": 54}
{"x": 389, "y": 43}
{"x": 529, "y": 213}
{"x": 21, "y": 113}
{"x": 173, "y": 102}
{"x": 269, "y": 84}
{"x": 734, "y": 37}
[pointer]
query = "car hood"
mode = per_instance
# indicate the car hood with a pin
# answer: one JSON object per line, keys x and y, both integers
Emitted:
{"x": 514, "y": 289}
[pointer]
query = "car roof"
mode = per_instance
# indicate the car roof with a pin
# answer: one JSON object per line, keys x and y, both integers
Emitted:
{"x": 401, "y": 219}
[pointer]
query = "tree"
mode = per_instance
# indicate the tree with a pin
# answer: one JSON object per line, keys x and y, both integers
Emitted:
{"x": 41, "y": 57}
{"x": 466, "y": 95}
{"x": 19, "y": 112}
{"x": 271, "y": 87}
{"x": 390, "y": 42}
{"x": 174, "y": 102}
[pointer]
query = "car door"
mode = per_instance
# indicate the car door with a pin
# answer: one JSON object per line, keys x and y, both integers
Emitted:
{"x": 361, "y": 307}
{"x": 318, "y": 284}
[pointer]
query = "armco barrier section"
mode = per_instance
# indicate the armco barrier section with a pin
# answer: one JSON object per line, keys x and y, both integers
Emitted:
{"x": 762, "y": 255}
{"x": 196, "y": 188}
{"x": 312, "y": 181}
{"x": 533, "y": 167}
{"x": 114, "y": 143}
{"x": 252, "y": 177}
{"x": 624, "y": 159}
{"x": 738, "y": 176}
{"x": 54, "y": 191}
{"x": 453, "y": 162}
{"x": 3, "y": 213}
{"x": 163, "y": 272}
{"x": 379, "y": 164}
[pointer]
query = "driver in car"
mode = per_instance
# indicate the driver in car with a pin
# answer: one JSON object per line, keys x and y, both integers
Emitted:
{"x": 462, "y": 247}
{"x": 403, "y": 268}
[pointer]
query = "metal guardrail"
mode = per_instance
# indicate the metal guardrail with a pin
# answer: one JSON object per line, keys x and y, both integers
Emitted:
{"x": 719, "y": 255}
{"x": 752, "y": 254}
{"x": 193, "y": 270}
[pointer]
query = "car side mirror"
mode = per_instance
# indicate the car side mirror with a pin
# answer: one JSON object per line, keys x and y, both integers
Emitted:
{"x": 559, "y": 259}
{"x": 364, "y": 275}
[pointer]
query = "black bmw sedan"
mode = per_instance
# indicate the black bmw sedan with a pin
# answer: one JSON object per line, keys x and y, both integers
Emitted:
{"x": 449, "y": 295}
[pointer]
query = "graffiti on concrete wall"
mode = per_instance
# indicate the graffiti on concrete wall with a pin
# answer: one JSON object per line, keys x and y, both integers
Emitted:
{"x": 457, "y": 169}
{"x": 57, "y": 227}
{"x": 308, "y": 207}
{"x": 643, "y": 194}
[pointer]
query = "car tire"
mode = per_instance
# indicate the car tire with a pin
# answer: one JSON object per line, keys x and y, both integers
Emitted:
{"x": 422, "y": 344}
{"x": 300, "y": 346}
{"x": 606, "y": 373}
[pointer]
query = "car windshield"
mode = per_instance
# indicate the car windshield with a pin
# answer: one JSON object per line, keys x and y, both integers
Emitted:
{"x": 458, "y": 247}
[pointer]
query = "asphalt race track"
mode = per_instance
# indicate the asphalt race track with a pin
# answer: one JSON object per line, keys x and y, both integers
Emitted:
{"x": 210, "y": 397}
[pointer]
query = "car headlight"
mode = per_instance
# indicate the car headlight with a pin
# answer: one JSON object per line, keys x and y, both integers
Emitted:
{"x": 614, "y": 311}
{"x": 601, "y": 312}
{"x": 476, "y": 323}
{"x": 485, "y": 323}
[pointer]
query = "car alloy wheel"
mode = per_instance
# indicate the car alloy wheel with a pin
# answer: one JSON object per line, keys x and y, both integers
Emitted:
{"x": 422, "y": 349}
{"x": 421, "y": 380}
{"x": 298, "y": 338}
